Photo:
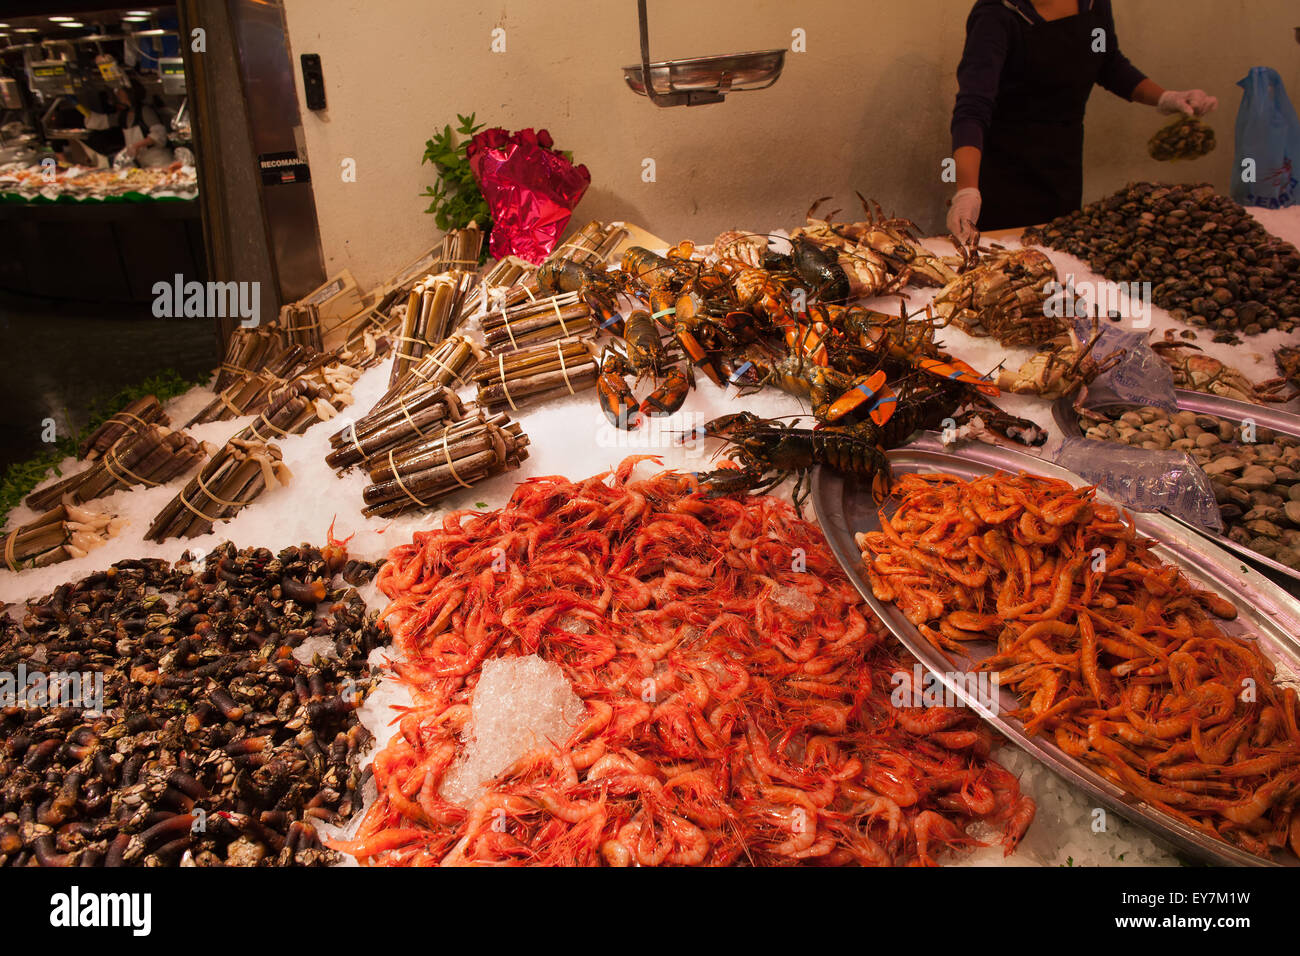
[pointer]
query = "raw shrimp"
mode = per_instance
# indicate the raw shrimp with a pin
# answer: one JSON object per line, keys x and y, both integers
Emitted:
{"x": 736, "y": 710}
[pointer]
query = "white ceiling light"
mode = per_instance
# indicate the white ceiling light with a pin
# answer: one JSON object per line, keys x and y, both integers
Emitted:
{"x": 60, "y": 19}
{"x": 73, "y": 24}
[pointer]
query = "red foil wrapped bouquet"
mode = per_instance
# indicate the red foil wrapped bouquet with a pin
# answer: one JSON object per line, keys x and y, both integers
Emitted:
{"x": 530, "y": 188}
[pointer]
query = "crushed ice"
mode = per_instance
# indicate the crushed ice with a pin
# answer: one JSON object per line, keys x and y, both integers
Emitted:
{"x": 315, "y": 644}
{"x": 793, "y": 600}
{"x": 519, "y": 705}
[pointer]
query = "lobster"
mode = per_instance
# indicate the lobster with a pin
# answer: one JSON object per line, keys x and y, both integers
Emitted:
{"x": 645, "y": 355}
{"x": 766, "y": 452}
{"x": 598, "y": 288}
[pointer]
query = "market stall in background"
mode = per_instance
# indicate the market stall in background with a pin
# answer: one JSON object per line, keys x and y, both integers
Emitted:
{"x": 566, "y": 539}
{"x": 96, "y": 155}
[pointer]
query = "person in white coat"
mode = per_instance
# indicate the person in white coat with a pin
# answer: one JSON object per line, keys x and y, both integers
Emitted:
{"x": 143, "y": 137}
{"x": 143, "y": 130}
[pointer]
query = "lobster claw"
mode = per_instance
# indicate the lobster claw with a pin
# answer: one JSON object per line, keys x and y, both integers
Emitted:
{"x": 613, "y": 394}
{"x": 883, "y": 408}
{"x": 663, "y": 308}
{"x": 863, "y": 391}
{"x": 683, "y": 250}
{"x": 729, "y": 478}
{"x": 958, "y": 371}
{"x": 617, "y": 401}
{"x": 697, "y": 354}
{"x": 724, "y": 426}
{"x": 669, "y": 396}
{"x": 807, "y": 342}
{"x": 609, "y": 317}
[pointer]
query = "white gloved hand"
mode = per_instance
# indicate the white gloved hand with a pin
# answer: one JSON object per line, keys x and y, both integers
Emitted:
{"x": 1191, "y": 102}
{"x": 964, "y": 213}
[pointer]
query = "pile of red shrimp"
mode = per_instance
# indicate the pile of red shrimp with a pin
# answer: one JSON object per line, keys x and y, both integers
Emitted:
{"x": 737, "y": 693}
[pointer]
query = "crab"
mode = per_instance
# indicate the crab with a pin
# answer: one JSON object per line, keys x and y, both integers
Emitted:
{"x": 1201, "y": 373}
{"x": 879, "y": 254}
{"x": 1060, "y": 367}
{"x": 746, "y": 247}
{"x": 1288, "y": 363}
{"x": 897, "y": 240}
{"x": 868, "y": 272}
{"x": 1001, "y": 293}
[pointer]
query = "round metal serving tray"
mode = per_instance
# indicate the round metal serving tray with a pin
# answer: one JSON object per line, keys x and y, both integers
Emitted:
{"x": 730, "y": 72}
{"x": 1265, "y": 612}
{"x": 1203, "y": 404}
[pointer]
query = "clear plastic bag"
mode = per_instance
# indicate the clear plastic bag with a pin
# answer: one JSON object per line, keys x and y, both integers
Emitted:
{"x": 1140, "y": 378}
{"x": 1182, "y": 138}
{"x": 1144, "y": 479}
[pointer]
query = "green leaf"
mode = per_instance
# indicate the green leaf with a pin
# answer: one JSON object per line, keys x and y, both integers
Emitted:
{"x": 455, "y": 200}
{"x": 21, "y": 477}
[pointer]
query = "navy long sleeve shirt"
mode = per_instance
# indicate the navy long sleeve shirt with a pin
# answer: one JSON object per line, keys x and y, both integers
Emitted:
{"x": 993, "y": 60}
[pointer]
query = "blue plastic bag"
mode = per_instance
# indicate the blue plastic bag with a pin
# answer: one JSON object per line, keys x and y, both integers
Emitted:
{"x": 1268, "y": 143}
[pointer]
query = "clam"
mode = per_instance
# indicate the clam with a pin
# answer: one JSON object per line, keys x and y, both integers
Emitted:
{"x": 1209, "y": 261}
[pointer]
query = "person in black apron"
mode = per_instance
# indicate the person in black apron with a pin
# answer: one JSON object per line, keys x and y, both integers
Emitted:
{"x": 131, "y": 124}
{"x": 99, "y": 118}
{"x": 1027, "y": 71}
{"x": 145, "y": 135}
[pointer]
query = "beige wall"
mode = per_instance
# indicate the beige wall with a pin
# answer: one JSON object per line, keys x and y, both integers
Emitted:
{"x": 866, "y": 107}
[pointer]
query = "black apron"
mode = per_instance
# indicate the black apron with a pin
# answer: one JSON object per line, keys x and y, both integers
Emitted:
{"x": 1031, "y": 170}
{"x": 112, "y": 140}
{"x": 106, "y": 142}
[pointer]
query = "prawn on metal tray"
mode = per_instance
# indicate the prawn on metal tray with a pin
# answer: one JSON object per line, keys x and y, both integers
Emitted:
{"x": 1115, "y": 655}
